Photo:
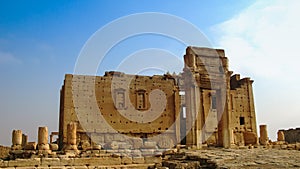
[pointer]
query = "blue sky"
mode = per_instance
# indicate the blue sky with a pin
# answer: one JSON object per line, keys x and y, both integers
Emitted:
{"x": 41, "y": 40}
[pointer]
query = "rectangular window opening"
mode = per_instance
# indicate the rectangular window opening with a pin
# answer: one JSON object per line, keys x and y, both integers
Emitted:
{"x": 242, "y": 120}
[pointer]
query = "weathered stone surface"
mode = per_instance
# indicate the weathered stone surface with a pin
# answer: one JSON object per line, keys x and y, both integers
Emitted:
{"x": 24, "y": 162}
{"x": 97, "y": 161}
{"x": 85, "y": 145}
{"x": 137, "y": 143}
{"x": 30, "y": 146}
{"x": 96, "y": 147}
{"x": 238, "y": 158}
{"x": 138, "y": 160}
{"x": 3, "y": 164}
{"x": 250, "y": 138}
{"x": 165, "y": 142}
{"x": 292, "y": 135}
{"x": 53, "y": 147}
{"x": 280, "y": 136}
{"x": 17, "y": 139}
{"x": 66, "y": 161}
{"x": 43, "y": 147}
{"x": 263, "y": 139}
{"x": 24, "y": 140}
{"x": 43, "y": 135}
{"x": 126, "y": 160}
{"x": 152, "y": 159}
{"x": 124, "y": 145}
{"x": 50, "y": 162}
{"x": 114, "y": 145}
{"x": 150, "y": 145}
{"x": 71, "y": 135}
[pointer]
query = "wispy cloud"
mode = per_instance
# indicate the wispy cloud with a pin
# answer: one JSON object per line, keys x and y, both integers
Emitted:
{"x": 263, "y": 39}
{"x": 8, "y": 58}
{"x": 263, "y": 42}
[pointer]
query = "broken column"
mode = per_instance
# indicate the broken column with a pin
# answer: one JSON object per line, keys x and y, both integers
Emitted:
{"x": 24, "y": 140}
{"x": 16, "y": 140}
{"x": 280, "y": 136}
{"x": 43, "y": 138}
{"x": 71, "y": 136}
{"x": 263, "y": 139}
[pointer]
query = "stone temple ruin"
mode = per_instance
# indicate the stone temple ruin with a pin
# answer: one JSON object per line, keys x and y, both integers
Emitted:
{"x": 121, "y": 119}
{"x": 205, "y": 104}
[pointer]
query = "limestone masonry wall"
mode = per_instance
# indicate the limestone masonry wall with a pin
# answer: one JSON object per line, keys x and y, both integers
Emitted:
{"x": 292, "y": 135}
{"x": 92, "y": 102}
{"x": 205, "y": 103}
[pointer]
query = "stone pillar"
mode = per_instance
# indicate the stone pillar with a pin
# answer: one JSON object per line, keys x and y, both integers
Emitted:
{"x": 71, "y": 133}
{"x": 263, "y": 139}
{"x": 280, "y": 136}
{"x": 43, "y": 138}
{"x": 24, "y": 140}
{"x": 16, "y": 140}
{"x": 51, "y": 138}
{"x": 71, "y": 137}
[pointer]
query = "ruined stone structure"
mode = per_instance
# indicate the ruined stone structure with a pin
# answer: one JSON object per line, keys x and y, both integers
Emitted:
{"x": 132, "y": 121}
{"x": 221, "y": 105}
{"x": 205, "y": 103}
{"x": 291, "y": 135}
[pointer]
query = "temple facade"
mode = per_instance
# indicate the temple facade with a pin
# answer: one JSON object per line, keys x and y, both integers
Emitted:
{"x": 204, "y": 104}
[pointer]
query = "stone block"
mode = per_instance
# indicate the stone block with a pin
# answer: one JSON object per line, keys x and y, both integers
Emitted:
{"x": 3, "y": 164}
{"x": 50, "y": 162}
{"x": 152, "y": 159}
{"x": 124, "y": 145}
{"x": 43, "y": 147}
{"x": 24, "y": 162}
{"x": 85, "y": 145}
{"x": 25, "y": 167}
{"x": 250, "y": 138}
{"x": 30, "y": 146}
{"x": 96, "y": 147}
{"x": 97, "y": 161}
{"x": 112, "y": 145}
{"x": 80, "y": 167}
{"x": 280, "y": 136}
{"x": 118, "y": 137}
{"x": 43, "y": 167}
{"x": 148, "y": 152}
{"x": 71, "y": 153}
{"x": 53, "y": 147}
{"x": 66, "y": 161}
{"x": 297, "y": 146}
{"x": 150, "y": 145}
{"x": 283, "y": 146}
{"x": 136, "y": 153}
{"x": 138, "y": 160}
{"x": 16, "y": 147}
{"x": 137, "y": 143}
{"x": 57, "y": 167}
{"x": 276, "y": 146}
{"x": 126, "y": 160}
{"x": 108, "y": 138}
{"x": 165, "y": 142}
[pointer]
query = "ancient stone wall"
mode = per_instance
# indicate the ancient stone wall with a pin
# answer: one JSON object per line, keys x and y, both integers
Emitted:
{"x": 119, "y": 103}
{"x": 242, "y": 116}
{"x": 224, "y": 107}
{"x": 209, "y": 104}
{"x": 292, "y": 135}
